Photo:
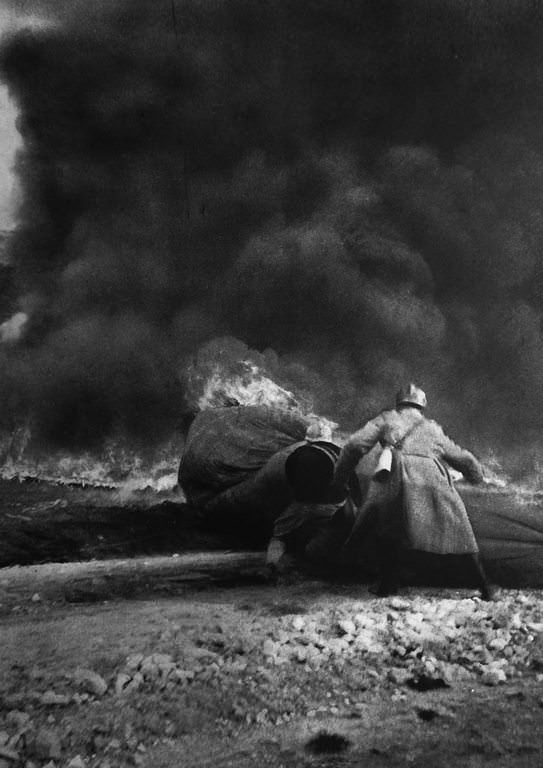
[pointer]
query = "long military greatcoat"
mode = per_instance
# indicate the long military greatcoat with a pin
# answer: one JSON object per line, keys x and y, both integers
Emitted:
{"x": 418, "y": 504}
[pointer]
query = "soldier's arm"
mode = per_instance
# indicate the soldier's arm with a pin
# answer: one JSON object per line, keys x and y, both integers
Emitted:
{"x": 356, "y": 447}
{"x": 462, "y": 460}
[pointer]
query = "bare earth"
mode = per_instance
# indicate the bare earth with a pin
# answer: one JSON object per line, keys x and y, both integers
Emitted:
{"x": 193, "y": 660}
{"x": 308, "y": 674}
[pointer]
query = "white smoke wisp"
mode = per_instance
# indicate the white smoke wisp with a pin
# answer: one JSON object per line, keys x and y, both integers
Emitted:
{"x": 12, "y": 330}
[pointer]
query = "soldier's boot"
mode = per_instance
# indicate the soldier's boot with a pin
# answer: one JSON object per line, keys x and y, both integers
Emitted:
{"x": 389, "y": 579}
{"x": 488, "y": 590}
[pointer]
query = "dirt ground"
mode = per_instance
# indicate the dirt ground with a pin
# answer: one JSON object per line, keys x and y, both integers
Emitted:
{"x": 195, "y": 660}
{"x": 259, "y": 675}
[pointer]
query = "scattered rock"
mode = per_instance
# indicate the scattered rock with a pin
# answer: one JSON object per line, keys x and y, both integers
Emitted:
{"x": 399, "y": 675}
{"x": 36, "y": 597}
{"x": 134, "y": 684}
{"x": 16, "y": 739}
{"x": 77, "y": 762}
{"x": 121, "y": 683}
{"x": 400, "y": 604}
{"x": 133, "y": 662}
{"x": 90, "y": 681}
{"x": 149, "y": 668}
{"x": 8, "y": 754}
{"x": 50, "y": 699}
{"x": 202, "y": 655}
{"x": 347, "y": 627}
{"x": 269, "y": 648}
{"x": 114, "y": 745}
{"x": 46, "y": 744}
{"x": 493, "y": 677}
{"x": 17, "y": 719}
{"x": 498, "y": 644}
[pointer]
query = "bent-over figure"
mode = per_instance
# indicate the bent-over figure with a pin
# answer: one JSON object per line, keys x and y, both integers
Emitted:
{"x": 416, "y": 504}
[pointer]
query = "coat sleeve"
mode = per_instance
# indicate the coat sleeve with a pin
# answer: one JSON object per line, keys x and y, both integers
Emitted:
{"x": 356, "y": 447}
{"x": 462, "y": 460}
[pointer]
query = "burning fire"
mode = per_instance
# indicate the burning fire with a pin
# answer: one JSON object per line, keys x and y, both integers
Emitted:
{"x": 215, "y": 384}
{"x": 248, "y": 387}
{"x": 245, "y": 383}
{"x": 117, "y": 467}
{"x": 121, "y": 467}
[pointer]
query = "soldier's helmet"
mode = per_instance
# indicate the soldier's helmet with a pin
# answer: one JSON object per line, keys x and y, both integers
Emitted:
{"x": 411, "y": 395}
{"x": 317, "y": 431}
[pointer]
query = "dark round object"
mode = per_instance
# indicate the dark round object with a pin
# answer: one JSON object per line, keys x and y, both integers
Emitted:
{"x": 310, "y": 470}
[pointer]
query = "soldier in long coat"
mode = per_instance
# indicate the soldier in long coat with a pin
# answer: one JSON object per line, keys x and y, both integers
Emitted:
{"x": 416, "y": 503}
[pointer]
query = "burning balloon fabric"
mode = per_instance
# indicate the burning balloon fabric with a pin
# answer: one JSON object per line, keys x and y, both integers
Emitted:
{"x": 227, "y": 446}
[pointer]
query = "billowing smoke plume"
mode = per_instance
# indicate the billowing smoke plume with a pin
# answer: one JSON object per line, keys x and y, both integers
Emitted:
{"x": 355, "y": 187}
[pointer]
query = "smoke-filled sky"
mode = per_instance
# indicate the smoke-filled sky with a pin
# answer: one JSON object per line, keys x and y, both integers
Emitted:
{"x": 355, "y": 186}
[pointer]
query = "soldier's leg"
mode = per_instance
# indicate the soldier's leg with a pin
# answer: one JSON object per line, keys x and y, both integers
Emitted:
{"x": 388, "y": 550}
{"x": 488, "y": 590}
{"x": 323, "y": 548}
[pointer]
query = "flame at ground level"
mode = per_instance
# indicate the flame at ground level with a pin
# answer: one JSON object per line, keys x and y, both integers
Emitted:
{"x": 129, "y": 469}
{"x": 118, "y": 466}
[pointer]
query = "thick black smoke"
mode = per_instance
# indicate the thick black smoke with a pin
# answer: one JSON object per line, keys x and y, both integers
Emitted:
{"x": 354, "y": 184}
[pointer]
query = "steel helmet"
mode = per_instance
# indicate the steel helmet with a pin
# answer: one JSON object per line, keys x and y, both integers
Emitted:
{"x": 318, "y": 431}
{"x": 411, "y": 395}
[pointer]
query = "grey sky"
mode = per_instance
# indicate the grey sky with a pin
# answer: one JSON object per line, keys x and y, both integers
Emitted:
{"x": 10, "y": 18}
{"x": 9, "y": 141}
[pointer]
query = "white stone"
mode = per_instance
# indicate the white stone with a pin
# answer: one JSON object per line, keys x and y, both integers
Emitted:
{"x": 134, "y": 660}
{"x": 91, "y": 681}
{"x": 347, "y": 626}
{"x": 135, "y": 683}
{"x": 77, "y": 762}
{"x": 269, "y": 648}
{"x": 50, "y": 699}
{"x": 493, "y": 676}
{"x": 121, "y": 682}
{"x": 400, "y": 604}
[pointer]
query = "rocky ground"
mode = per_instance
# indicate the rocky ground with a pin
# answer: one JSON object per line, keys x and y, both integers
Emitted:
{"x": 297, "y": 675}
{"x": 194, "y": 660}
